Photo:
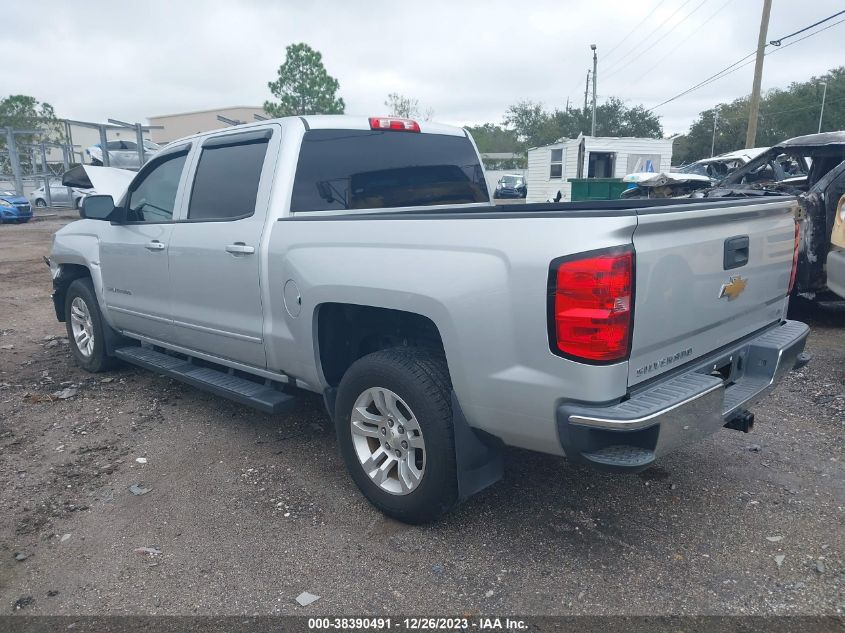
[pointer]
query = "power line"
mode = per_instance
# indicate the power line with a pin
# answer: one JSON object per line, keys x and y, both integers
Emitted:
{"x": 806, "y": 28}
{"x": 655, "y": 43}
{"x": 683, "y": 41}
{"x": 722, "y": 73}
{"x": 732, "y": 68}
{"x": 656, "y": 29}
{"x": 801, "y": 39}
{"x": 633, "y": 30}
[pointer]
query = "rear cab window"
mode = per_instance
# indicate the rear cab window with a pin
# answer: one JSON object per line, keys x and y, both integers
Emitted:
{"x": 379, "y": 169}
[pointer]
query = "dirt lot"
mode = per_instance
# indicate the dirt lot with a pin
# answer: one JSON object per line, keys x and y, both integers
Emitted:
{"x": 248, "y": 511}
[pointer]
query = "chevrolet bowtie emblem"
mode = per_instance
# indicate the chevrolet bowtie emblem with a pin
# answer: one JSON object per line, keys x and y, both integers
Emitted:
{"x": 733, "y": 288}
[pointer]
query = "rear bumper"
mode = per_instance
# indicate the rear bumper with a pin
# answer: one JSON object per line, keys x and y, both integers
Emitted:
{"x": 508, "y": 193}
{"x": 683, "y": 408}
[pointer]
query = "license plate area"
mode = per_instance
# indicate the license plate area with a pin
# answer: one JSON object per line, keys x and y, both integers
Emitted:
{"x": 729, "y": 368}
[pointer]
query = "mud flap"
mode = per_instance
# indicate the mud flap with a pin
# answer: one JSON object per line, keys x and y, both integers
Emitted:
{"x": 478, "y": 455}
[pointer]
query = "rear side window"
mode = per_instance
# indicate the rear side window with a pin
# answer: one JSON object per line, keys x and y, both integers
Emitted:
{"x": 226, "y": 181}
{"x": 372, "y": 169}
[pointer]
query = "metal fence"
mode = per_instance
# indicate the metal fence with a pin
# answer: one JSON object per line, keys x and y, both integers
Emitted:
{"x": 29, "y": 156}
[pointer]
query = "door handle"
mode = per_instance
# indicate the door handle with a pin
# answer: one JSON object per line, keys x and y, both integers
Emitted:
{"x": 239, "y": 248}
{"x": 736, "y": 252}
{"x": 155, "y": 245}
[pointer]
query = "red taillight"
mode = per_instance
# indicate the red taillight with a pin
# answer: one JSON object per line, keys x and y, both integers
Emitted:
{"x": 591, "y": 306}
{"x": 794, "y": 259}
{"x": 393, "y": 123}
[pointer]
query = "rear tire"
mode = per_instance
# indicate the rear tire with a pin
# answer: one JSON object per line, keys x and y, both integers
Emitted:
{"x": 86, "y": 328}
{"x": 421, "y": 484}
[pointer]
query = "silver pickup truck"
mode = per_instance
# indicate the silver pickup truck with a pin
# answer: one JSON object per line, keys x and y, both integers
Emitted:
{"x": 361, "y": 259}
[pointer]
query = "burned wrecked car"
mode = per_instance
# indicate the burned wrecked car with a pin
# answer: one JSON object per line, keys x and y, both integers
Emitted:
{"x": 684, "y": 180}
{"x": 812, "y": 168}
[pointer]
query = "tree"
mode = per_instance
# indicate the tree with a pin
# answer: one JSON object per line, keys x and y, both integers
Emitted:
{"x": 536, "y": 126}
{"x": 303, "y": 85}
{"x": 492, "y": 138}
{"x": 406, "y": 107}
{"x": 22, "y": 112}
{"x": 784, "y": 113}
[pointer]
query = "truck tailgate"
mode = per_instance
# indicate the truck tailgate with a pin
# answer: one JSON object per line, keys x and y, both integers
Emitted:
{"x": 694, "y": 293}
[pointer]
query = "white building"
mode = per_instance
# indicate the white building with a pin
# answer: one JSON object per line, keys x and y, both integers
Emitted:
{"x": 552, "y": 166}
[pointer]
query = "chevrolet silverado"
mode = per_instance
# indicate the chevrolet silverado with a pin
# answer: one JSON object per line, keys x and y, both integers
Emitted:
{"x": 361, "y": 259}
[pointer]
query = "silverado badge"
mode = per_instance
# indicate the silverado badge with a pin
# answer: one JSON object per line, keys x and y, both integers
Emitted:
{"x": 733, "y": 288}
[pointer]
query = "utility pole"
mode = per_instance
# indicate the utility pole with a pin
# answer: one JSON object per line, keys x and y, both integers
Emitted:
{"x": 595, "y": 70}
{"x": 715, "y": 122}
{"x": 586, "y": 91}
{"x": 821, "y": 114}
{"x": 754, "y": 106}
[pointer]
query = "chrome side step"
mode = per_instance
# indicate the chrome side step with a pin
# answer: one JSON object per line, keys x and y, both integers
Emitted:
{"x": 262, "y": 396}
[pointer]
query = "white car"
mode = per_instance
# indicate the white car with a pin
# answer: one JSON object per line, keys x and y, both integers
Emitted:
{"x": 684, "y": 180}
{"x": 123, "y": 154}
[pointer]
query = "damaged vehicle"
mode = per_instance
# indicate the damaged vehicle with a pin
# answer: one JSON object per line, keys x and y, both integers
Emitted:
{"x": 683, "y": 181}
{"x": 123, "y": 154}
{"x": 811, "y": 168}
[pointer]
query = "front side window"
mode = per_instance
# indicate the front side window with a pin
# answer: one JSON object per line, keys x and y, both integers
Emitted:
{"x": 377, "y": 169}
{"x": 152, "y": 196}
{"x": 226, "y": 182}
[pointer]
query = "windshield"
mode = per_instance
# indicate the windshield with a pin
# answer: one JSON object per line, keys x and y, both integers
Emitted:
{"x": 151, "y": 145}
{"x": 511, "y": 181}
{"x": 772, "y": 167}
{"x": 694, "y": 168}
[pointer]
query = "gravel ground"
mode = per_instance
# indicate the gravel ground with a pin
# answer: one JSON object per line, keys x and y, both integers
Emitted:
{"x": 246, "y": 511}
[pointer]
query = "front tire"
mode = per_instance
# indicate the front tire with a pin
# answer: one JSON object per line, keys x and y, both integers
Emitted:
{"x": 85, "y": 327}
{"x": 41, "y": 204}
{"x": 394, "y": 428}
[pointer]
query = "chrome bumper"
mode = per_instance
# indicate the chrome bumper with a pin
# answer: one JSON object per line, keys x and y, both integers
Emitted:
{"x": 684, "y": 407}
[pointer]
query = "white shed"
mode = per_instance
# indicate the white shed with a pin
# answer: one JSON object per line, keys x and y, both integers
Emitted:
{"x": 552, "y": 166}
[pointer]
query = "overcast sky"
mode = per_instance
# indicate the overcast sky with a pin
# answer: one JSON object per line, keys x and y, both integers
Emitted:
{"x": 467, "y": 60}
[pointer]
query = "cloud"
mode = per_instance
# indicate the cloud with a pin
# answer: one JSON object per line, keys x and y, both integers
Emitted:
{"x": 467, "y": 60}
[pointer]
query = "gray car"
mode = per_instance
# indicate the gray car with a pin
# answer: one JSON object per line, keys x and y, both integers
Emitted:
{"x": 60, "y": 196}
{"x": 123, "y": 154}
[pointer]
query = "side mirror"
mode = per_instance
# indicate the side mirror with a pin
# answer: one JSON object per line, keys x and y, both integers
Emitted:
{"x": 96, "y": 207}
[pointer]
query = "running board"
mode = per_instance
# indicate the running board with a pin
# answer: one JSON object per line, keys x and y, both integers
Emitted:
{"x": 253, "y": 394}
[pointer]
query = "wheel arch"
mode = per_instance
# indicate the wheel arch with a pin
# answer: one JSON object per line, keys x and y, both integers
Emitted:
{"x": 345, "y": 332}
{"x": 68, "y": 273}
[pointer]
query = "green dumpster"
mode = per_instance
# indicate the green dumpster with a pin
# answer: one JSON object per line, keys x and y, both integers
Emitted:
{"x": 597, "y": 188}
